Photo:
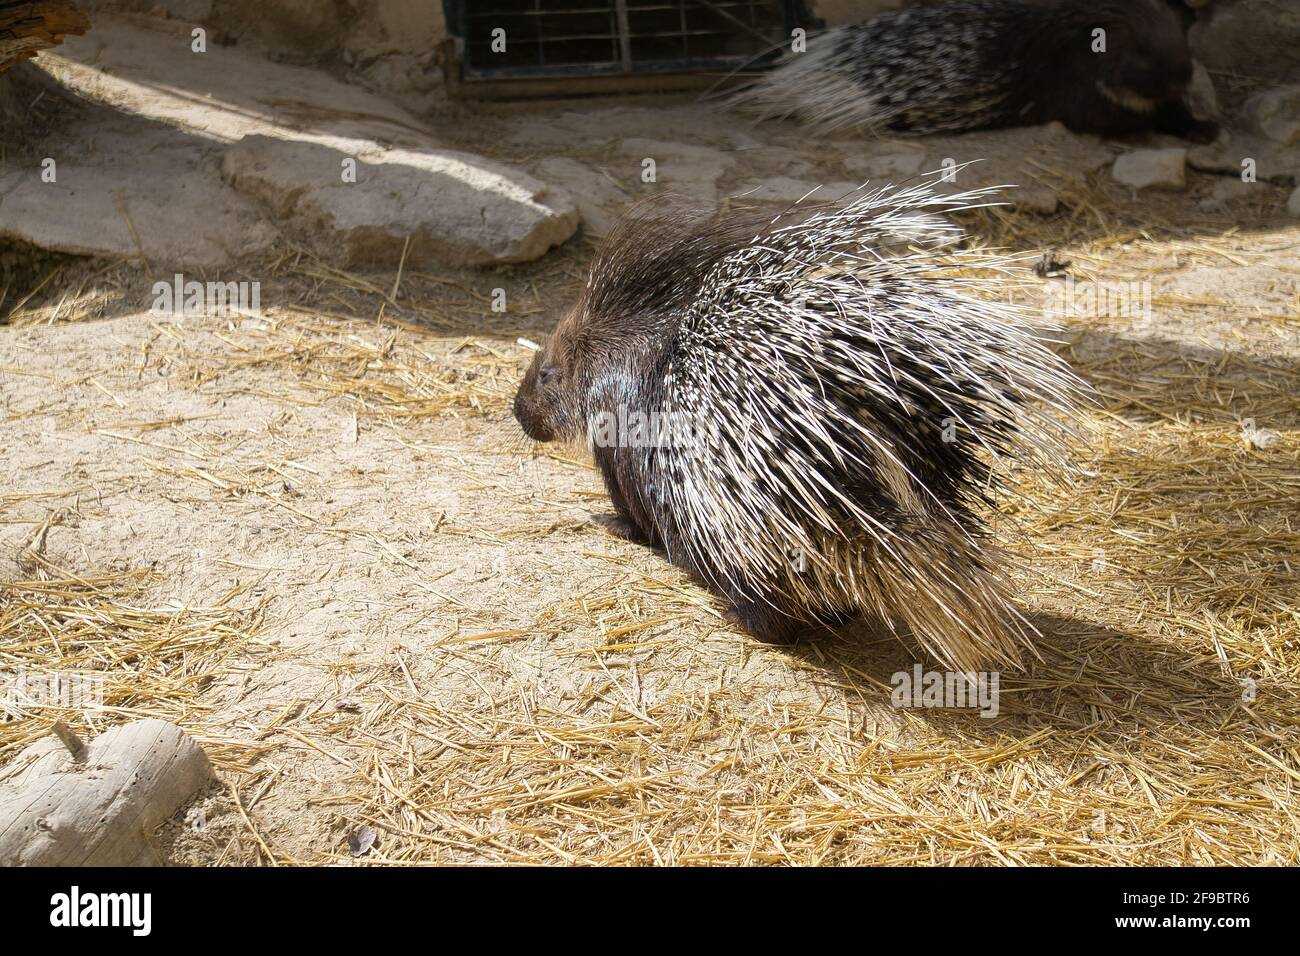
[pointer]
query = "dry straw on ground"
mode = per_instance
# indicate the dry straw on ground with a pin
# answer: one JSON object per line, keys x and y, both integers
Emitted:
{"x": 616, "y": 719}
{"x": 137, "y": 659}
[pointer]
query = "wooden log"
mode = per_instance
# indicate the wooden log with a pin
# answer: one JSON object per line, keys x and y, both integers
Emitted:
{"x": 29, "y": 26}
{"x": 95, "y": 804}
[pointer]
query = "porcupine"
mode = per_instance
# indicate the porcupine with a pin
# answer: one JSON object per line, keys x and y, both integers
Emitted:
{"x": 985, "y": 64}
{"x": 846, "y": 390}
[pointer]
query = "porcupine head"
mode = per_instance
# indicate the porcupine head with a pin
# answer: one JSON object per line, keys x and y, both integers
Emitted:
{"x": 837, "y": 394}
{"x": 1146, "y": 60}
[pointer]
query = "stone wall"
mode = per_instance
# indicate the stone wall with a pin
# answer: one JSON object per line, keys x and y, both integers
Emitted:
{"x": 1255, "y": 41}
{"x": 305, "y": 30}
{"x": 836, "y": 12}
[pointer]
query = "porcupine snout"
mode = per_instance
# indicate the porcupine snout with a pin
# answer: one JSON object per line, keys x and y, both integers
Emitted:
{"x": 540, "y": 400}
{"x": 531, "y": 418}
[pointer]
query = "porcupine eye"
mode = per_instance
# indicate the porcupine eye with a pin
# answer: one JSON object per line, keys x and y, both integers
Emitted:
{"x": 549, "y": 375}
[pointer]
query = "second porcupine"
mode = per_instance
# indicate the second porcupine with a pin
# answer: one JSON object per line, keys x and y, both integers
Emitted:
{"x": 806, "y": 412}
{"x": 984, "y": 64}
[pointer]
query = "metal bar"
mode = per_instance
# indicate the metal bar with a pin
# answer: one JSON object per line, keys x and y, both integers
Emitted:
{"x": 659, "y": 35}
{"x": 613, "y": 70}
{"x": 709, "y": 5}
{"x": 625, "y": 34}
{"x": 580, "y": 51}
{"x": 494, "y": 87}
{"x": 613, "y": 29}
{"x": 592, "y": 11}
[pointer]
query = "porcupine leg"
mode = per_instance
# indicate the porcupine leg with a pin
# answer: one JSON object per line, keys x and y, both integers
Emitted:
{"x": 621, "y": 527}
{"x": 763, "y": 621}
{"x": 628, "y": 523}
{"x": 1174, "y": 118}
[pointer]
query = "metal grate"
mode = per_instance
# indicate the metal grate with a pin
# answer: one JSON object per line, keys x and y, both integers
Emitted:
{"x": 573, "y": 38}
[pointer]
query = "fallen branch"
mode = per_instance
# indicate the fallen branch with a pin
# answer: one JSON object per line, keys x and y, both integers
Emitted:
{"x": 64, "y": 802}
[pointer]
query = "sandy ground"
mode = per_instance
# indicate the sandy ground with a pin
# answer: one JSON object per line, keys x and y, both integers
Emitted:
{"x": 451, "y": 650}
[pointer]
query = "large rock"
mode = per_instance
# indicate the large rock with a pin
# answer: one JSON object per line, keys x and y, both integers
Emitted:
{"x": 1271, "y": 161}
{"x": 454, "y": 207}
{"x": 594, "y": 193}
{"x": 1276, "y": 114}
{"x": 886, "y": 161}
{"x": 1152, "y": 169}
{"x": 224, "y": 93}
{"x": 191, "y": 11}
{"x": 292, "y": 128}
{"x": 680, "y": 167}
{"x": 184, "y": 217}
{"x": 785, "y": 191}
{"x": 1250, "y": 38}
{"x": 1202, "y": 98}
{"x": 302, "y": 29}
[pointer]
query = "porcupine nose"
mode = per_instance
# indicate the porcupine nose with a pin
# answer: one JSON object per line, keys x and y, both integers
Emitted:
{"x": 529, "y": 420}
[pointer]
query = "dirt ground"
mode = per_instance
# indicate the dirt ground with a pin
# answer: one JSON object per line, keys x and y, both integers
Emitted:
{"x": 432, "y": 650}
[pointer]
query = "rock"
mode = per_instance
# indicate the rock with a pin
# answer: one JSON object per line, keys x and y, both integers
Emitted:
{"x": 591, "y": 189}
{"x": 1235, "y": 152}
{"x": 456, "y": 208}
{"x": 183, "y": 216}
{"x": 302, "y": 29}
{"x": 1035, "y": 199}
{"x": 888, "y": 161}
{"x": 226, "y": 93}
{"x": 418, "y": 23}
{"x": 1229, "y": 191}
{"x": 191, "y": 11}
{"x": 1077, "y": 151}
{"x": 784, "y": 190}
{"x": 1293, "y": 204}
{"x": 1259, "y": 438}
{"x": 403, "y": 78}
{"x": 1201, "y": 97}
{"x": 292, "y": 128}
{"x": 1152, "y": 169}
{"x": 1276, "y": 114}
{"x": 680, "y": 167}
{"x": 1234, "y": 37}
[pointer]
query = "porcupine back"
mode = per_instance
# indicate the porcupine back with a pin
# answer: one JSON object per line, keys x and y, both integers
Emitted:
{"x": 972, "y": 64}
{"x": 853, "y": 387}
